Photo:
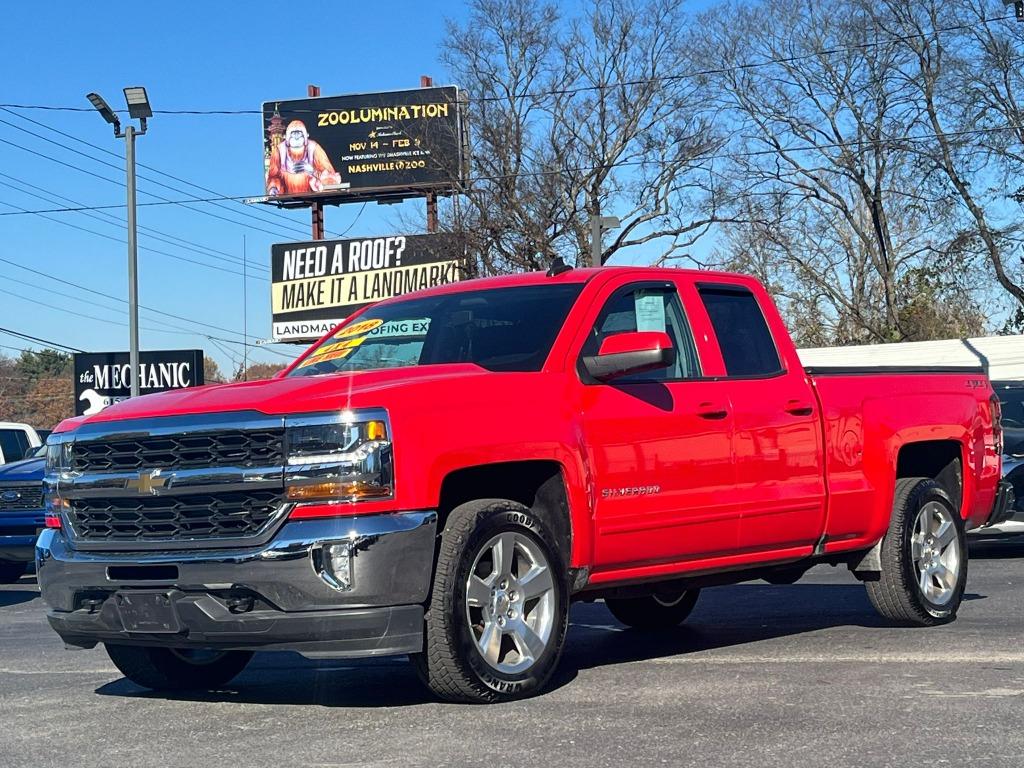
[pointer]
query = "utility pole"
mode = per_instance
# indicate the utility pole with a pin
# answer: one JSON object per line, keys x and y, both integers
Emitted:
{"x": 245, "y": 314}
{"x": 138, "y": 109}
{"x": 598, "y": 226}
{"x": 133, "y": 261}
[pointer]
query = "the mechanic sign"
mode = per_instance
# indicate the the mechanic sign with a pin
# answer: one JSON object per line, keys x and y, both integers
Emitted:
{"x": 104, "y": 378}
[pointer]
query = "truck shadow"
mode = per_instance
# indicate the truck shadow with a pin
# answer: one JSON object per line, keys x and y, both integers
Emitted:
{"x": 995, "y": 547}
{"x": 725, "y": 617}
{"x": 9, "y": 597}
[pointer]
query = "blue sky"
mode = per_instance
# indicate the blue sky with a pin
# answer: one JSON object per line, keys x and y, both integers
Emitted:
{"x": 189, "y": 56}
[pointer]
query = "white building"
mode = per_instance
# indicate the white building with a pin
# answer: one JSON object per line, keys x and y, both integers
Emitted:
{"x": 1001, "y": 356}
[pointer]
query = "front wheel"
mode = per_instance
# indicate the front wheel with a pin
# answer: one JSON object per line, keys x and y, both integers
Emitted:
{"x": 924, "y": 557}
{"x": 177, "y": 669}
{"x": 499, "y": 606}
{"x": 661, "y": 610}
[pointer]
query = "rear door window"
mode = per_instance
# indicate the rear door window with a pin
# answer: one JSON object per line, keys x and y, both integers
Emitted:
{"x": 748, "y": 348}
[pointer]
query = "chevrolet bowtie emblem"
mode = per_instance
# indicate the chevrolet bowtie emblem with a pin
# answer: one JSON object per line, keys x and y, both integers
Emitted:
{"x": 148, "y": 481}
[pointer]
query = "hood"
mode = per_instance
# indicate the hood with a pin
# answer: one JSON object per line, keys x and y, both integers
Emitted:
{"x": 24, "y": 471}
{"x": 299, "y": 394}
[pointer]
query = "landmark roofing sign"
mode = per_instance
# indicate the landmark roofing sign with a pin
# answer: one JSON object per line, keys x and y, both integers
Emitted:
{"x": 364, "y": 146}
{"x": 315, "y": 285}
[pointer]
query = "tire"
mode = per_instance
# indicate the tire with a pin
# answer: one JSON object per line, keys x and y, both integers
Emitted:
{"x": 908, "y": 591}
{"x": 657, "y": 611}
{"x": 11, "y": 572}
{"x": 171, "y": 669}
{"x": 467, "y": 656}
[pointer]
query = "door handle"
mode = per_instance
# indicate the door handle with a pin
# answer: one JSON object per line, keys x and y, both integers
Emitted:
{"x": 709, "y": 410}
{"x": 799, "y": 408}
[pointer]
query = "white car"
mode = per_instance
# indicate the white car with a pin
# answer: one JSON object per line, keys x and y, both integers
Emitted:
{"x": 17, "y": 441}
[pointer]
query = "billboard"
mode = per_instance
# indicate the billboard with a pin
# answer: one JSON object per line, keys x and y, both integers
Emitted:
{"x": 315, "y": 285}
{"x": 103, "y": 378}
{"x": 364, "y": 146}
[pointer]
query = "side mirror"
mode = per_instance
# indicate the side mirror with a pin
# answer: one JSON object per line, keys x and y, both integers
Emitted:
{"x": 623, "y": 354}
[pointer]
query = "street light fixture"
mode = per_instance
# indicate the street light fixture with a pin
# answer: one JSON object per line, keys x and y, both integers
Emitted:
{"x": 138, "y": 109}
{"x": 105, "y": 111}
{"x": 138, "y": 102}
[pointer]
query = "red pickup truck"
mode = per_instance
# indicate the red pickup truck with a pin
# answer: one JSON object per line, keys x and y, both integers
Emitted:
{"x": 444, "y": 473}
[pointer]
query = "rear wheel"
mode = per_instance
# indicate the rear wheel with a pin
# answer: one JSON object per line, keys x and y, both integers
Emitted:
{"x": 177, "y": 669}
{"x": 924, "y": 557}
{"x": 499, "y": 606}
{"x": 662, "y": 610}
{"x": 11, "y": 572}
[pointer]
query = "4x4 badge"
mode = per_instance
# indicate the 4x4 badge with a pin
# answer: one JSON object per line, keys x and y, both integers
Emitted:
{"x": 148, "y": 481}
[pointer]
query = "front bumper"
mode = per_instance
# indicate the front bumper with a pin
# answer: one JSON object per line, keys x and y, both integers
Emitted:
{"x": 18, "y": 532}
{"x": 269, "y": 597}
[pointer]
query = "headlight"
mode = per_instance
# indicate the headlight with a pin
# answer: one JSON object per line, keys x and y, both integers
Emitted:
{"x": 340, "y": 457}
{"x": 57, "y": 455}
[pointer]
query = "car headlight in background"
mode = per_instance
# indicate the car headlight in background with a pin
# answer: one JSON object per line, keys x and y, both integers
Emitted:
{"x": 58, "y": 462}
{"x": 58, "y": 455}
{"x": 339, "y": 457}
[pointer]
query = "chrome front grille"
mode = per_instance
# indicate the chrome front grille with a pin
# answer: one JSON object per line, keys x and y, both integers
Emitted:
{"x": 21, "y": 497}
{"x": 179, "y": 518}
{"x": 175, "y": 482}
{"x": 197, "y": 450}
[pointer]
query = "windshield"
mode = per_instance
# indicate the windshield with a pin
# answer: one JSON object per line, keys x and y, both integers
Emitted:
{"x": 501, "y": 329}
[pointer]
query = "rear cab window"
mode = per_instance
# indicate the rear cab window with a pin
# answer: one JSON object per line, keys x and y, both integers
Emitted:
{"x": 13, "y": 444}
{"x": 744, "y": 338}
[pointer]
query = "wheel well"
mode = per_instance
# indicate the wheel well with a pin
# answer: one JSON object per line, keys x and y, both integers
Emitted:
{"x": 538, "y": 485}
{"x": 937, "y": 459}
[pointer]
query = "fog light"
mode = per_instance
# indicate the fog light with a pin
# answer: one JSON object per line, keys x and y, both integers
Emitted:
{"x": 332, "y": 562}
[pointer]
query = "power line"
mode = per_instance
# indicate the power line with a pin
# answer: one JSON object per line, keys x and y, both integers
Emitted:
{"x": 590, "y": 87}
{"x": 37, "y": 340}
{"x": 145, "y": 178}
{"x": 119, "y": 240}
{"x": 291, "y": 224}
{"x": 55, "y": 292}
{"x": 173, "y": 329}
{"x": 645, "y": 162}
{"x": 156, "y": 234}
{"x": 148, "y": 309}
{"x": 183, "y": 203}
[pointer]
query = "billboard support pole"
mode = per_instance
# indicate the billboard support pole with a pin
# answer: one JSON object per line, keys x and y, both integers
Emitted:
{"x": 426, "y": 81}
{"x": 133, "y": 263}
{"x": 431, "y": 212}
{"x": 318, "y": 221}
{"x": 317, "y": 208}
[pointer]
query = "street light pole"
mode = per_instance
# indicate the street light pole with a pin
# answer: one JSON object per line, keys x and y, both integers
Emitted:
{"x": 133, "y": 262}
{"x": 138, "y": 109}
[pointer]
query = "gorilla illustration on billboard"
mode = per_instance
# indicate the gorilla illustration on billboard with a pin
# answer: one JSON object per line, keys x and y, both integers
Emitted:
{"x": 299, "y": 165}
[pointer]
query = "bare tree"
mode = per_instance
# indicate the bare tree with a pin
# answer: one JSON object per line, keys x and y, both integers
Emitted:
{"x": 963, "y": 64}
{"x": 576, "y": 117}
{"x": 826, "y": 203}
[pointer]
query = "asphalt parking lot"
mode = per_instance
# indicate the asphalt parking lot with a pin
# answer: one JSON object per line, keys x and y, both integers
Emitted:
{"x": 776, "y": 676}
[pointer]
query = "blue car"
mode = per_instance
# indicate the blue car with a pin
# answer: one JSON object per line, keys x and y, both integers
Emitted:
{"x": 21, "y": 514}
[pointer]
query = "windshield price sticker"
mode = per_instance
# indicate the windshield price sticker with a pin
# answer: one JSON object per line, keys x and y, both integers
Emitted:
{"x": 314, "y": 359}
{"x": 359, "y": 328}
